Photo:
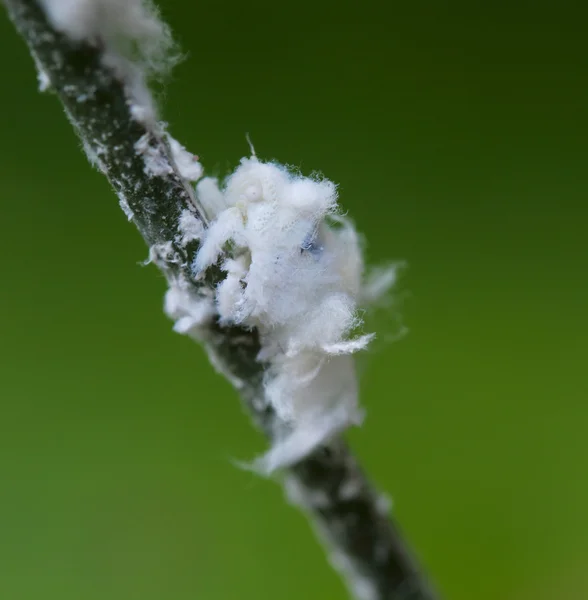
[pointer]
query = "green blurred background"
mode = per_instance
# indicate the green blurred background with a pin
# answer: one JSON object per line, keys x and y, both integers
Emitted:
{"x": 457, "y": 132}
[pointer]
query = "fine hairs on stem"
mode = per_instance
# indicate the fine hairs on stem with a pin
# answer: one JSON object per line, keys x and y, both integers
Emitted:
{"x": 263, "y": 269}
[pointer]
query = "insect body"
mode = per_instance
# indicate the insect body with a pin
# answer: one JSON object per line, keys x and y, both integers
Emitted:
{"x": 297, "y": 279}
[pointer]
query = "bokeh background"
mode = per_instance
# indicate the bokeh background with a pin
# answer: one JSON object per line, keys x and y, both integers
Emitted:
{"x": 457, "y": 133}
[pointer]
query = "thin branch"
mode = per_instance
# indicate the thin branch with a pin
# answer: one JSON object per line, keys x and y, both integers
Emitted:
{"x": 119, "y": 137}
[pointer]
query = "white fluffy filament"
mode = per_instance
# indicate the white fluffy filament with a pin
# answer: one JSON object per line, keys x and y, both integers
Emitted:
{"x": 296, "y": 274}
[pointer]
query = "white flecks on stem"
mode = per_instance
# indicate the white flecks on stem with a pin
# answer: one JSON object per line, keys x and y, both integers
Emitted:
{"x": 300, "y": 495}
{"x": 162, "y": 254}
{"x": 156, "y": 161}
{"x": 42, "y": 75}
{"x": 159, "y": 160}
{"x": 124, "y": 204}
{"x": 351, "y": 488}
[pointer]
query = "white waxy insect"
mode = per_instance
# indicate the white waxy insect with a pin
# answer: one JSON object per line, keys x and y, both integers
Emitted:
{"x": 296, "y": 275}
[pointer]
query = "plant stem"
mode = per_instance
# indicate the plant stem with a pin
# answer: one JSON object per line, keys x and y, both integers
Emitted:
{"x": 350, "y": 516}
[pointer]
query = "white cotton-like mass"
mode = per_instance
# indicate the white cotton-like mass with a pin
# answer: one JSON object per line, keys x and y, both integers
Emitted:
{"x": 134, "y": 42}
{"x": 131, "y": 28}
{"x": 296, "y": 274}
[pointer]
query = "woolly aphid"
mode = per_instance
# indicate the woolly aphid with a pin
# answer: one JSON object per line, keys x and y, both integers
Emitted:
{"x": 295, "y": 273}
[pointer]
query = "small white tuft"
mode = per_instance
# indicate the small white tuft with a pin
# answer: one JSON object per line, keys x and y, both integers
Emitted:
{"x": 156, "y": 162}
{"x": 128, "y": 28}
{"x": 190, "y": 312}
{"x": 162, "y": 253}
{"x": 159, "y": 161}
{"x": 186, "y": 162}
{"x": 135, "y": 44}
{"x": 190, "y": 227}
